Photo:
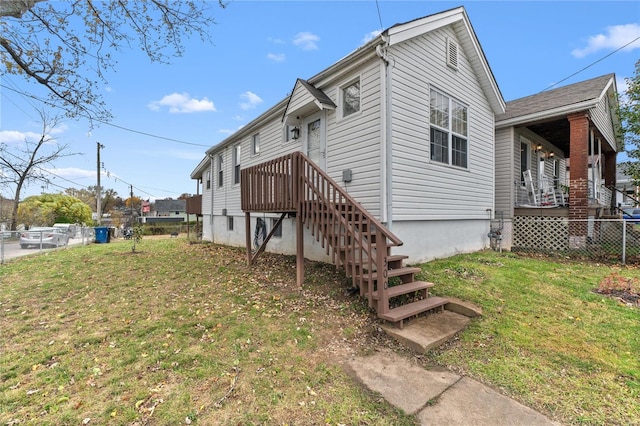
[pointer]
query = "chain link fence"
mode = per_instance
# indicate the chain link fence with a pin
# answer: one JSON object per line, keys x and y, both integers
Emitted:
{"x": 18, "y": 243}
{"x": 610, "y": 240}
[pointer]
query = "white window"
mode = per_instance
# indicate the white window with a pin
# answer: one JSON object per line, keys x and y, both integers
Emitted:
{"x": 236, "y": 164}
{"x": 208, "y": 179}
{"x": 449, "y": 124}
{"x": 255, "y": 144}
{"x": 220, "y": 171}
{"x": 350, "y": 98}
{"x": 291, "y": 133}
{"x": 230, "y": 223}
{"x": 278, "y": 230}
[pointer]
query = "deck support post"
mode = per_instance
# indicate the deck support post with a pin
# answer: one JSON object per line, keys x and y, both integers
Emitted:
{"x": 247, "y": 237}
{"x": 299, "y": 249}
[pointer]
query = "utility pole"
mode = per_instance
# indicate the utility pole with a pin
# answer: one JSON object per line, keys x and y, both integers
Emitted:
{"x": 99, "y": 190}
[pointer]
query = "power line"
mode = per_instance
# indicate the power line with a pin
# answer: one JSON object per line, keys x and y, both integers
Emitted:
{"x": 591, "y": 64}
{"x": 379, "y": 15}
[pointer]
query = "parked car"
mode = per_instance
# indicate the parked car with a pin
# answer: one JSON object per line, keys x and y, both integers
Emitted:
{"x": 69, "y": 228}
{"x": 631, "y": 215}
{"x": 45, "y": 237}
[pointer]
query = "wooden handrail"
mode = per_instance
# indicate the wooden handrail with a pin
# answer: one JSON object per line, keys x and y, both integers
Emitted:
{"x": 270, "y": 187}
{"x": 360, "y": 243}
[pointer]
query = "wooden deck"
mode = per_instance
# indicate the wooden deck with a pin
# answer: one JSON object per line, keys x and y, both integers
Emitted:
{"x": 353, "y": 238}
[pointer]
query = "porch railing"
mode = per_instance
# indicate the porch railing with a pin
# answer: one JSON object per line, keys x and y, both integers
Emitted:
{"x": 555, "y": 193}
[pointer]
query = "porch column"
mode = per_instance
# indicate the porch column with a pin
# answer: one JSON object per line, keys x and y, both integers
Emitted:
{"x": 579, "y": 180}
{"x": 610, "y": 168}
{"x": 610, "y": 177}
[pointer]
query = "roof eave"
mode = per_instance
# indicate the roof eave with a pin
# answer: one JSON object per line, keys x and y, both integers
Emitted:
{"x": 546, "y": 114}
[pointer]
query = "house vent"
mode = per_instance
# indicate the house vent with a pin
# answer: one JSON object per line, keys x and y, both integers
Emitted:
{"x": 452, "y": 54}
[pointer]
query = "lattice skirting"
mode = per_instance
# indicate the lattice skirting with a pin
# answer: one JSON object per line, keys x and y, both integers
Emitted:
{"x": 536, "y": 233}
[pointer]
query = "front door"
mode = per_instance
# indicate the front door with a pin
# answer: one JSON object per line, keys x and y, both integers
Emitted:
{"x": 314, "y": 139}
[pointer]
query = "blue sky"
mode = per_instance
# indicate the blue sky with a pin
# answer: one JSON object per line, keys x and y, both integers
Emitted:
{"x": 260, "y": 48}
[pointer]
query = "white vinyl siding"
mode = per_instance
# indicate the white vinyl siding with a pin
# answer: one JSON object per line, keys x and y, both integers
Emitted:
{"x": 506, "y": 162}
{"x": 422, "y": 189}
{"x": 602, "y": 120}
{"x": 354, "y": 143}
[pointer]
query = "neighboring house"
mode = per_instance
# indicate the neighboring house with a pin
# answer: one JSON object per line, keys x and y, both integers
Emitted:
{"x": 627, "y": 192}
{"x": 404, "y": 124}
{"x": 167, "y": 211}
{"x": 556, "y": 159}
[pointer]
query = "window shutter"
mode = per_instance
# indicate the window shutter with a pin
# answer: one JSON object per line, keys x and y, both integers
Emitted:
{"x": 452, "y": 54}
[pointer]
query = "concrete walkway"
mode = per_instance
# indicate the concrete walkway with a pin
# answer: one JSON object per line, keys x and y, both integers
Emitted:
{"x": 437, "y": 396}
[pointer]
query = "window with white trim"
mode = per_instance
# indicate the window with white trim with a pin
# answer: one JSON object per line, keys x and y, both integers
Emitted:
{"x": 351, "y": 98}
{"x": 277, "y": 233}
{"x": 236, "y": 164}
{"x": 255, "y": 144}
{"x": 449, "y": 130}
{"x": 220, "y": 171}
{"x": 208, "y": 179}
{"x": 289, "y": 134}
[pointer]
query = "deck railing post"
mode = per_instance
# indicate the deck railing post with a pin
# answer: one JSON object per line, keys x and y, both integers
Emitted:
{"x": 299, "y": 221}
{"x": 382, "y": 272}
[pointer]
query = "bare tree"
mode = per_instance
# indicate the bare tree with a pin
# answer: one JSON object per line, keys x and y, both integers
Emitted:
{"x": 67, "y": 46}
{"x": 23, "y": 163}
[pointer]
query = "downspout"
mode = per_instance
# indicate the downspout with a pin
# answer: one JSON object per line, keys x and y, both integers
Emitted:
{"x": 211, "y": 185}
{"x": 387, "y": 145}
{"x": 593, "y": 166}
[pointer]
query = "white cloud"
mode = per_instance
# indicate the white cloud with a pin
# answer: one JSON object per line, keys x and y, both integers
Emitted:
{"x": 370, "y": 36}
{"x": 275, "y": 40}
{"x": 15, "y": 136}
{"x": 18, "y": 137}
{"x": 226, "y": 131}
{"x": 616, "y": 37}
{"x": 73, "y": 173}
{"x": 182, "y": 103}
{"x": 306, "y": 41}
{"x": 276, "y": 57}
{"x": 251, "y": 100}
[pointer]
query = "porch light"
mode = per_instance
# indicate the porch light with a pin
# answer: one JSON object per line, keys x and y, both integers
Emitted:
{"x": 538, "y": 147}
{"x": 295, "y": 133}
{"x": 551, "y": 154}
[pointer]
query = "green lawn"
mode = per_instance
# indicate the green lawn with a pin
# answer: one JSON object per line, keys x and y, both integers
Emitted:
{"x": 180, "y": 333}
{"x": 545, "y": 337}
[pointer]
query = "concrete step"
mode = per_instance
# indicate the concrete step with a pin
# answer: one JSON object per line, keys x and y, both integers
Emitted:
{"x": 428, "y": 332}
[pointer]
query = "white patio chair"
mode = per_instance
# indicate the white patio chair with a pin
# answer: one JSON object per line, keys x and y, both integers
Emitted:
{"x": 548, "y": 195}
{"x": 532, "y": 192}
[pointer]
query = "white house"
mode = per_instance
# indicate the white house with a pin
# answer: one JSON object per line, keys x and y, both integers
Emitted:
{"x": 404, "y": 124}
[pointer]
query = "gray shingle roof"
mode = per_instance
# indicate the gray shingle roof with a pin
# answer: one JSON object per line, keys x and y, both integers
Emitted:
{"x": 572, "y": 94}
{"x": 317, "y": 93}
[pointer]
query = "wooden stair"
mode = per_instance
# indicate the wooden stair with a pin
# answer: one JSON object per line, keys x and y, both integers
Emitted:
{"x": 356, "y": 241}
